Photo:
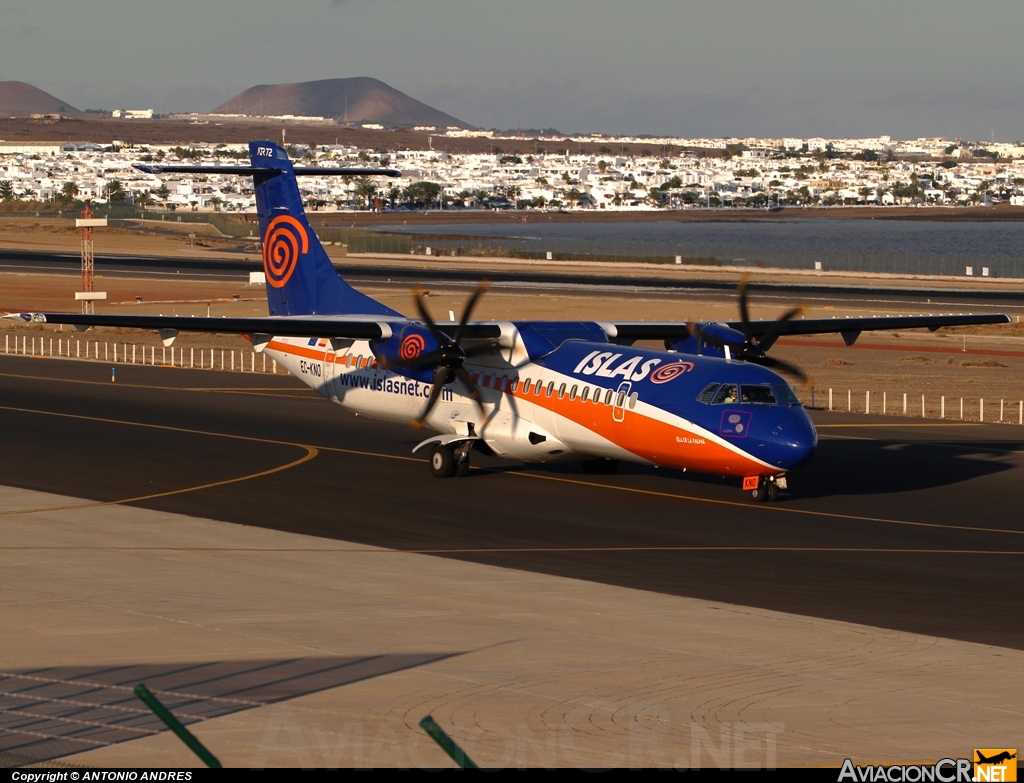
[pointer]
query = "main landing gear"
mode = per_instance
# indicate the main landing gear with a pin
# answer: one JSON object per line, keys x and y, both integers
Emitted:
{"x": 600, "y": 466}
{"x": 765, "y": 488}
{"x": 448, "y": 460}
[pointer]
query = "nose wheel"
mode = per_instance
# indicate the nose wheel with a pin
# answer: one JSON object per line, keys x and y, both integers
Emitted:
{"x": 767, "y": 489}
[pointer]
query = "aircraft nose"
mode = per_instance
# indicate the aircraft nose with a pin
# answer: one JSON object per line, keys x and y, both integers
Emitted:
{"x": 794, "y": 439}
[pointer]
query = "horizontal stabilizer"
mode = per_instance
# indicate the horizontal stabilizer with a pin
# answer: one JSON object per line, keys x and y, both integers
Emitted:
{"x": 242, "y": 171}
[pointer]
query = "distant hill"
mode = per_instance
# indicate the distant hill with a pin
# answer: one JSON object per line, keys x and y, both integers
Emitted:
{"x": 359, "y": 99}
{"x": 18, "y": 98}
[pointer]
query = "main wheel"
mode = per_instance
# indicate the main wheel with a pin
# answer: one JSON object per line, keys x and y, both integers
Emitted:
{"x": 442, "y": 461}
{"x": 600, "y": 466}
{"x": 773, "y": 492}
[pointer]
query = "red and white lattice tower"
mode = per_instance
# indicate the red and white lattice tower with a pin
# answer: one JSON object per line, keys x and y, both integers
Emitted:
{"x": 88, "y": 262}
{"x": 88, "y": 295}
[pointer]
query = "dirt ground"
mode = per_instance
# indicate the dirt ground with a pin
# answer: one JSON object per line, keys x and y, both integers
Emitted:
{"x": 144, "y": 238}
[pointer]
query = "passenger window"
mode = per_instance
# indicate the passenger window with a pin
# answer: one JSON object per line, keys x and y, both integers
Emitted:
{"x": 551, "y": 387}
{"x": 586, "y": 392}
{"x": 726, "y": 395}
{"x": 572, "y": 392}
{"x": 632, "y": 400}
{"x": 514, "y": 386}
{"x": 538, "y": 387}
{"x": 757, "y": 395}
{"x": 608, "y": 397}
{"x": 619, "y": 399}
{"x": 708, "y": 394}
{"x": 561, "y": 391}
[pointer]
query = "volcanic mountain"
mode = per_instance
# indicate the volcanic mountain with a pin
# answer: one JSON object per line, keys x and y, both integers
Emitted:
{"x": 22, "y": 98}
{"x": 358, "y": 99}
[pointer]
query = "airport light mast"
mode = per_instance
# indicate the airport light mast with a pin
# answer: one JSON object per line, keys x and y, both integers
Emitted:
{"x": 88, "y": 296}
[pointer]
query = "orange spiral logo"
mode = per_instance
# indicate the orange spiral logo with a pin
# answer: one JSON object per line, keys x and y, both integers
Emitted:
{"x": 285, "y": 240}
{"x": 667, "y": 372}
{"x": 411, "y": 347}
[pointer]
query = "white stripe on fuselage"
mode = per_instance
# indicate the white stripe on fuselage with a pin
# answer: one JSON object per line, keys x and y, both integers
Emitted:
{"x": 377, "y": 393}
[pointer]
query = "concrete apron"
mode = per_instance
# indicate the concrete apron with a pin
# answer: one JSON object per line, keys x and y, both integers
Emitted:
{"x": 287, "y": 650}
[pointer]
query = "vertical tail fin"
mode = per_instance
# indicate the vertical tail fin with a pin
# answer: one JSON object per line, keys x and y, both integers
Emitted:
{"x": 300, "y": 277}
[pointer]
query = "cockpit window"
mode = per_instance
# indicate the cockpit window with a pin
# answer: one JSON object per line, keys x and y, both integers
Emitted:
{"x": 785, "y": 394}
{"x": 726, "y": 394}
{"x": 758, "y": 395}
{"x": 708, "y": 394}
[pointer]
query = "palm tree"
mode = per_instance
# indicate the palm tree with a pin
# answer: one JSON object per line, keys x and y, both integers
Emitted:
{"x": 144, "y": 199}
{"x": 6, "y": 190}
{"x": 163, "y": 192}
{"x": 69, "y": 191}
{"x": 115, "y": 190}
{"x": 216, "y": 201}
{"x": 366, "y": 190}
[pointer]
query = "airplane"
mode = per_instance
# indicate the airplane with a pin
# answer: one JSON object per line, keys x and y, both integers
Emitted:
{"x": 711, "y": 401}
{"x": 999, "y": 758}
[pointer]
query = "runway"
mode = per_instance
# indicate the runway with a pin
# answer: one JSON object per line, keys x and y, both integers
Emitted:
{"x": 845, "y": 291}
{"x": 895, "y": 523}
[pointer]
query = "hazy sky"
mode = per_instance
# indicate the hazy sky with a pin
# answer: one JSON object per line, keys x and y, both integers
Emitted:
{"x": 906, "y": 68}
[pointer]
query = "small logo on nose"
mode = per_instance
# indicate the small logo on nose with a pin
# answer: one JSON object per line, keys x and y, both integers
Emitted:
{"x": 735, "y": 424}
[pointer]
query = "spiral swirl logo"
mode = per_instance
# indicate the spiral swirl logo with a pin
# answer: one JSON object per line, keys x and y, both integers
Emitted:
{"x": 411, "y": 347}
{"x": 286, "y": 239}
{"x": 667, "y": 372}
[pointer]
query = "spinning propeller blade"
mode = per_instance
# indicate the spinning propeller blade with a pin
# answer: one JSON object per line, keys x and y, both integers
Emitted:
{"x": 449, "y": 356}
{"x": 750, "y": 348}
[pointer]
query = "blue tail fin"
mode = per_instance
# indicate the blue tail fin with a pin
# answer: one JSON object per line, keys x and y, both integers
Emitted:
{"x": 300, "y": 277}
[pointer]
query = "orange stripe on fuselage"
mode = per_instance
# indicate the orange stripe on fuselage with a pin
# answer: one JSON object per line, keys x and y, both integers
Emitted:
{"x": 649, "y": 439}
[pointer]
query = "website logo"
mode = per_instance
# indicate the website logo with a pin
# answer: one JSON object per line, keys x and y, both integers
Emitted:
{"x": 995, "y": 764}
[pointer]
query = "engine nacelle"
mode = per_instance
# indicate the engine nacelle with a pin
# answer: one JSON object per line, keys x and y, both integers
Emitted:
{"x": 405, "y": 345}
{"x": 701, "y": 346}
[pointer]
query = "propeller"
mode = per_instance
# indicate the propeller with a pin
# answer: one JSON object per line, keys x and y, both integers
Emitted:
{"x": 750, "y": 348}
{"x": 449, "y": 356}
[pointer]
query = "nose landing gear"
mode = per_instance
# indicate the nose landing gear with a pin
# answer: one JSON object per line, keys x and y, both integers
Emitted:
{"x": 764, "y": 488}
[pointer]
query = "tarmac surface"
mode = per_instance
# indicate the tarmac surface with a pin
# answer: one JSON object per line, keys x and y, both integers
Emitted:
{"x": 895, "y": 523}
{"x": 298, "y": 588}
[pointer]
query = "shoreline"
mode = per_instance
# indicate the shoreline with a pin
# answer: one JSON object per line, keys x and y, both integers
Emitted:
{"x": 997, "y": 214}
